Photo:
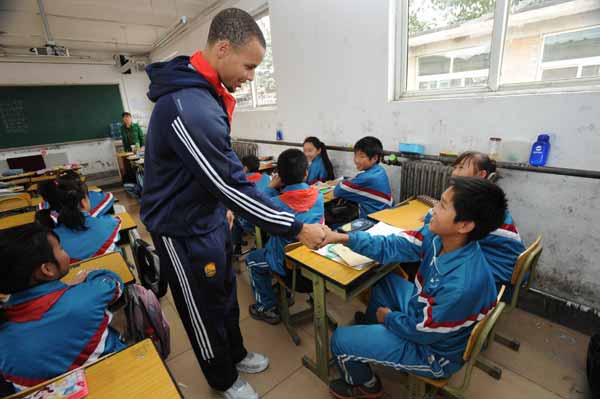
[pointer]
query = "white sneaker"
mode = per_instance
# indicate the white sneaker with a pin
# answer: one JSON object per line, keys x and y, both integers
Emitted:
{"x": 253, "y": 363}
{"x": 240, "y": 390}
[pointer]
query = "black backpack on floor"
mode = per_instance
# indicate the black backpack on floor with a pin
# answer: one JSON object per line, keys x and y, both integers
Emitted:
{"x": 593, "y": 365}
{"x": 147, "y": 263}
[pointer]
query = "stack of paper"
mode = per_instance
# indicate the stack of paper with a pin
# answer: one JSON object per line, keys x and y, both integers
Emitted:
{"x": 344, "y": 255}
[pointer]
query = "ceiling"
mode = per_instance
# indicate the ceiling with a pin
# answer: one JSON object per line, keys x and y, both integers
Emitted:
{"x": 112, "y": 26}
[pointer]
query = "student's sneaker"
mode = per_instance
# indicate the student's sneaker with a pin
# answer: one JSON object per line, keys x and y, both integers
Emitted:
{"x": 253, "y": 363}
{"x": 270, "y": 316}
{"x": 342, "y": 390}
{"x": 240, "y": 390}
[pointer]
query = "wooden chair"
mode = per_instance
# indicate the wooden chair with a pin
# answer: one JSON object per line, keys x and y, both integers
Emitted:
{"x": 291, "y": 320}
{"x": 526, "y": 263}
{"x": 14, "y": 202}
{"x": 423, "y": 387}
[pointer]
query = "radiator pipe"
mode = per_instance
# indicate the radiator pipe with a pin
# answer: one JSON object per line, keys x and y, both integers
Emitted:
{"x": 589, "y": 174}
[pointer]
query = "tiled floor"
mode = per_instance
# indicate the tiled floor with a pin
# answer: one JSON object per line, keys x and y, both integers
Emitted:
{"x": 550, "y": 363}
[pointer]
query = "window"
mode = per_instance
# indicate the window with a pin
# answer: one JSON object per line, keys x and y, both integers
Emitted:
{"x": 491, "y": 45}
{"x": 263, "y": 90}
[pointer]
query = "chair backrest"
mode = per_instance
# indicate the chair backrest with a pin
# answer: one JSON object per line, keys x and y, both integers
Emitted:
{"x": 522, "y": 260}
{"x": 290, "y": 247}
{"x": 479, "y": 329}
{"x": 17, "y": 201}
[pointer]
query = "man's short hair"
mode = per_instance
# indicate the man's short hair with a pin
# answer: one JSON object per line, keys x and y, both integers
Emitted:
{"x": 251, "y": 162}
{"x": 371, "y": 146}
{"x": 237, "y": 26}
{"x": 292, "y": 166}
{"x": 124, "y": 114}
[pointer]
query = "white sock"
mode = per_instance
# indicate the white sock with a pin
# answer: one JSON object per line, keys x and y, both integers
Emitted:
{"x": 371, "y": 383}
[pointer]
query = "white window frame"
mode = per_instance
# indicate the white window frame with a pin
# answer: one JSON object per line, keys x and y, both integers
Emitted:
{"x": 398, "y": 62}
{"x": 258, "y": 14}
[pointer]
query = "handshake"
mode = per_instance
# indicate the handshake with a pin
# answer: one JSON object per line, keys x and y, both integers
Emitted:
{"x": 316, "y": 236}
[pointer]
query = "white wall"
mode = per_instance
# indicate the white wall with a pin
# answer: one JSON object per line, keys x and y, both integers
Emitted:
{"x": 96, "y": 156}
{"x": 331, "y": 68}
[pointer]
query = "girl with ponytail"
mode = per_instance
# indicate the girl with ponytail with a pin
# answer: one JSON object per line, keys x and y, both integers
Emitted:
{"x": 320, "y": 168}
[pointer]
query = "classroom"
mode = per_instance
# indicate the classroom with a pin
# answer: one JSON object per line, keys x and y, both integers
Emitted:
{"x": 272, "y": 199}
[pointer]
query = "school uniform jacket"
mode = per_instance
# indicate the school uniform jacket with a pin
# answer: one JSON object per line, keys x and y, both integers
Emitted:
{"x": 100, "y": 204}
{"x": 53, "y": 328}
{"x": 191, "y": 173}
{"x": 451, "y": 292}
{"x": 316, "y": 171}
{"x": 261, "y": 180}
{"x": 501, "y": 248}
{"x": 370, "y": 189}
{"x": 99, "y": 238}
{"x": 307, "y": 204}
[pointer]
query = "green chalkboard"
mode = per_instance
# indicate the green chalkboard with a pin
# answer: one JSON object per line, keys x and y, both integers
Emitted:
{"x": 34, "y": 115}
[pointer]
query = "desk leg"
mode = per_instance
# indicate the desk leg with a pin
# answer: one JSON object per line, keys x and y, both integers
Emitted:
{"x": 321, "y": 367}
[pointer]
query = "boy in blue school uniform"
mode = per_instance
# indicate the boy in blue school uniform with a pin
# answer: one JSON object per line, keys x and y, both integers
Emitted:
{"x": 48, "y": 327}
{"x": 370, "y": 189}
{"x": 251, "y": 166}
{"x": 502, "y": 246}
{"x": 298, "y": 198}
{"x": 423, "y": 328}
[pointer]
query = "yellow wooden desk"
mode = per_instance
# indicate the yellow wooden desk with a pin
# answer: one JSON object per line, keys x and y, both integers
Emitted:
{"x": 407, "y": 215}
{"x": 327, "y": 197}
{"x": 22, "y": 175}
{"x": 136, "y": 372}
{"x": 38, "y": 179}
{"x": 15, "y": 202}
{"x": 8, "y": 222}
{"x": 127, "y": 222}
{"x": 113, "y": 261}
{"x": 267, "y": 166}
{"x": 328, "y": 275}
{"x": 36, "y": 201}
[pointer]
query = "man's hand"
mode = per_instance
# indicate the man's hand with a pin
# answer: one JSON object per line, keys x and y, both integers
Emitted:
{"x": 276, "y": 182}
{"x": 230, "y": 219}
{"x": 381, "y": 313}
{"x": 333, "y": 237}
{"x": 312, "y": 235}
{"x": 79, "y": 277}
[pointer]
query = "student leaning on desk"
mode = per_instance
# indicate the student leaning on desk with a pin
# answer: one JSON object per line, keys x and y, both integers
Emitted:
{"x": 422, "y": 327}
{"x": 48, "y": 327}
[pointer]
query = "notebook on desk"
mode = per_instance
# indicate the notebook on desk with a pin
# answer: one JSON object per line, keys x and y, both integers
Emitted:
{"x": 407, "y": 215}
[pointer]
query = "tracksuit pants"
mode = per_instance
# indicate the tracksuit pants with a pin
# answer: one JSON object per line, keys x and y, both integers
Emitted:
{"x": 203, "y": 285}
{"x": 356, "y": 346}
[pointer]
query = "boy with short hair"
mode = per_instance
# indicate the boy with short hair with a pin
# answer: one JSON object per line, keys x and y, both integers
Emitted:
{"x": 240, "y": 225}
{"x": 423, "y": 328}
{"x": 48, "y": 327}
{"x": 370, "y": 188}
{"x": 502, "y": 246}
{"x": 298, "y": 198}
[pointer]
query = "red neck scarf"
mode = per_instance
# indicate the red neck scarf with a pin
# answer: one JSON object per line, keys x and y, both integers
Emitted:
{"x": 205, "y": 69}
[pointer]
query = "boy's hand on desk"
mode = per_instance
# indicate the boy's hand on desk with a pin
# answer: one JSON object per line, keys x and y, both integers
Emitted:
{"x": 381, "y": 313}
{"x": 333, "y": 237}
{"x": 79, "y": 277}
{"x": 312, "y": 235}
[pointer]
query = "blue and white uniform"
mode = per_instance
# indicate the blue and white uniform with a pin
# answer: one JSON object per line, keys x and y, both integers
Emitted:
{"x": 501, "y": 248}
{"x": 241, "y": 225}
{"x": 431, "y": 320}
{"x": 53, "y": 328}
{"x": 370, "y": 189}
{"x": 316, "y": 171}
{"x": 101, "y": 203}
{"x": 99, "y": 237}
{"x": 307, "y": 204}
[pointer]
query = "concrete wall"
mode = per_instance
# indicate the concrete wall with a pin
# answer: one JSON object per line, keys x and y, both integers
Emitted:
{"x": 331, "y": 63}
{"x": 97, "y": 156}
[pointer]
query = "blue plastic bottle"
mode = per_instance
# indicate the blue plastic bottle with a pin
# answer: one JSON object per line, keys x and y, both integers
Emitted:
{"x": 540, "y": 151}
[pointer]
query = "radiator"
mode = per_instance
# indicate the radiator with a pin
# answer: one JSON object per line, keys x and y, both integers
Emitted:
{"x": 423, "y": 178}
{"x": 243, "y": 148}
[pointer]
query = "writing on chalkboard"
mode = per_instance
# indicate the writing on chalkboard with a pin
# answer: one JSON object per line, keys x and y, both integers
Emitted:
{"x": 12, "y": 117}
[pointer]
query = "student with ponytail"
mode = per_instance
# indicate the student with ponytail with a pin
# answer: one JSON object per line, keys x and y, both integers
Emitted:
{"x": 81, "y": 235}
{"x": 320, "y": 168}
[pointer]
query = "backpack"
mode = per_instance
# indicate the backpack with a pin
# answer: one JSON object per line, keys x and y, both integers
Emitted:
{"x": 145, "y": 319}
{"x": 593, "y": 365}
{"x": 147, "y": 263}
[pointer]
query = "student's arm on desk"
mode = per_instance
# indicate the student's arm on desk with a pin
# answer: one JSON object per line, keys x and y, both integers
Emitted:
{"x": 104, "y": 283}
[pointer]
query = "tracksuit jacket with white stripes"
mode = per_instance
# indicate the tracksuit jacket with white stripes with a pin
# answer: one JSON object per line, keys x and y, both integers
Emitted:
{"x": 370, "y": 189}
{"x": 191, "y": 173}
{"x": 431, "y": 320}
{"x": 53, "y": 328}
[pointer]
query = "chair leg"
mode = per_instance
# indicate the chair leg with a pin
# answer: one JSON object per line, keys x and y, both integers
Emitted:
{"x": 490, "y": 368}
{"x": 508, "y": 342}
{"x": 284, "y": 311}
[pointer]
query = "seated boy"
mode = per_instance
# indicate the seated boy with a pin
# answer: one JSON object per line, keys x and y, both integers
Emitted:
{"x": 502, "y": 246}
{"x": 296, "y": 197}
{"x": 423, "y": 328}
{"x": 48, "y": 327}
{"x": 240, "y": 225}
{"x": 370, "y": 189}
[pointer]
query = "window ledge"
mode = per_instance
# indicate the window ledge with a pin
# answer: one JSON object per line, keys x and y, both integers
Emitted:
{"x": 265, "y": 108}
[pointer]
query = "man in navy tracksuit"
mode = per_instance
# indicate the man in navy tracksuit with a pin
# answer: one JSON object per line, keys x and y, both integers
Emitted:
{"x": 191, "y": 177}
